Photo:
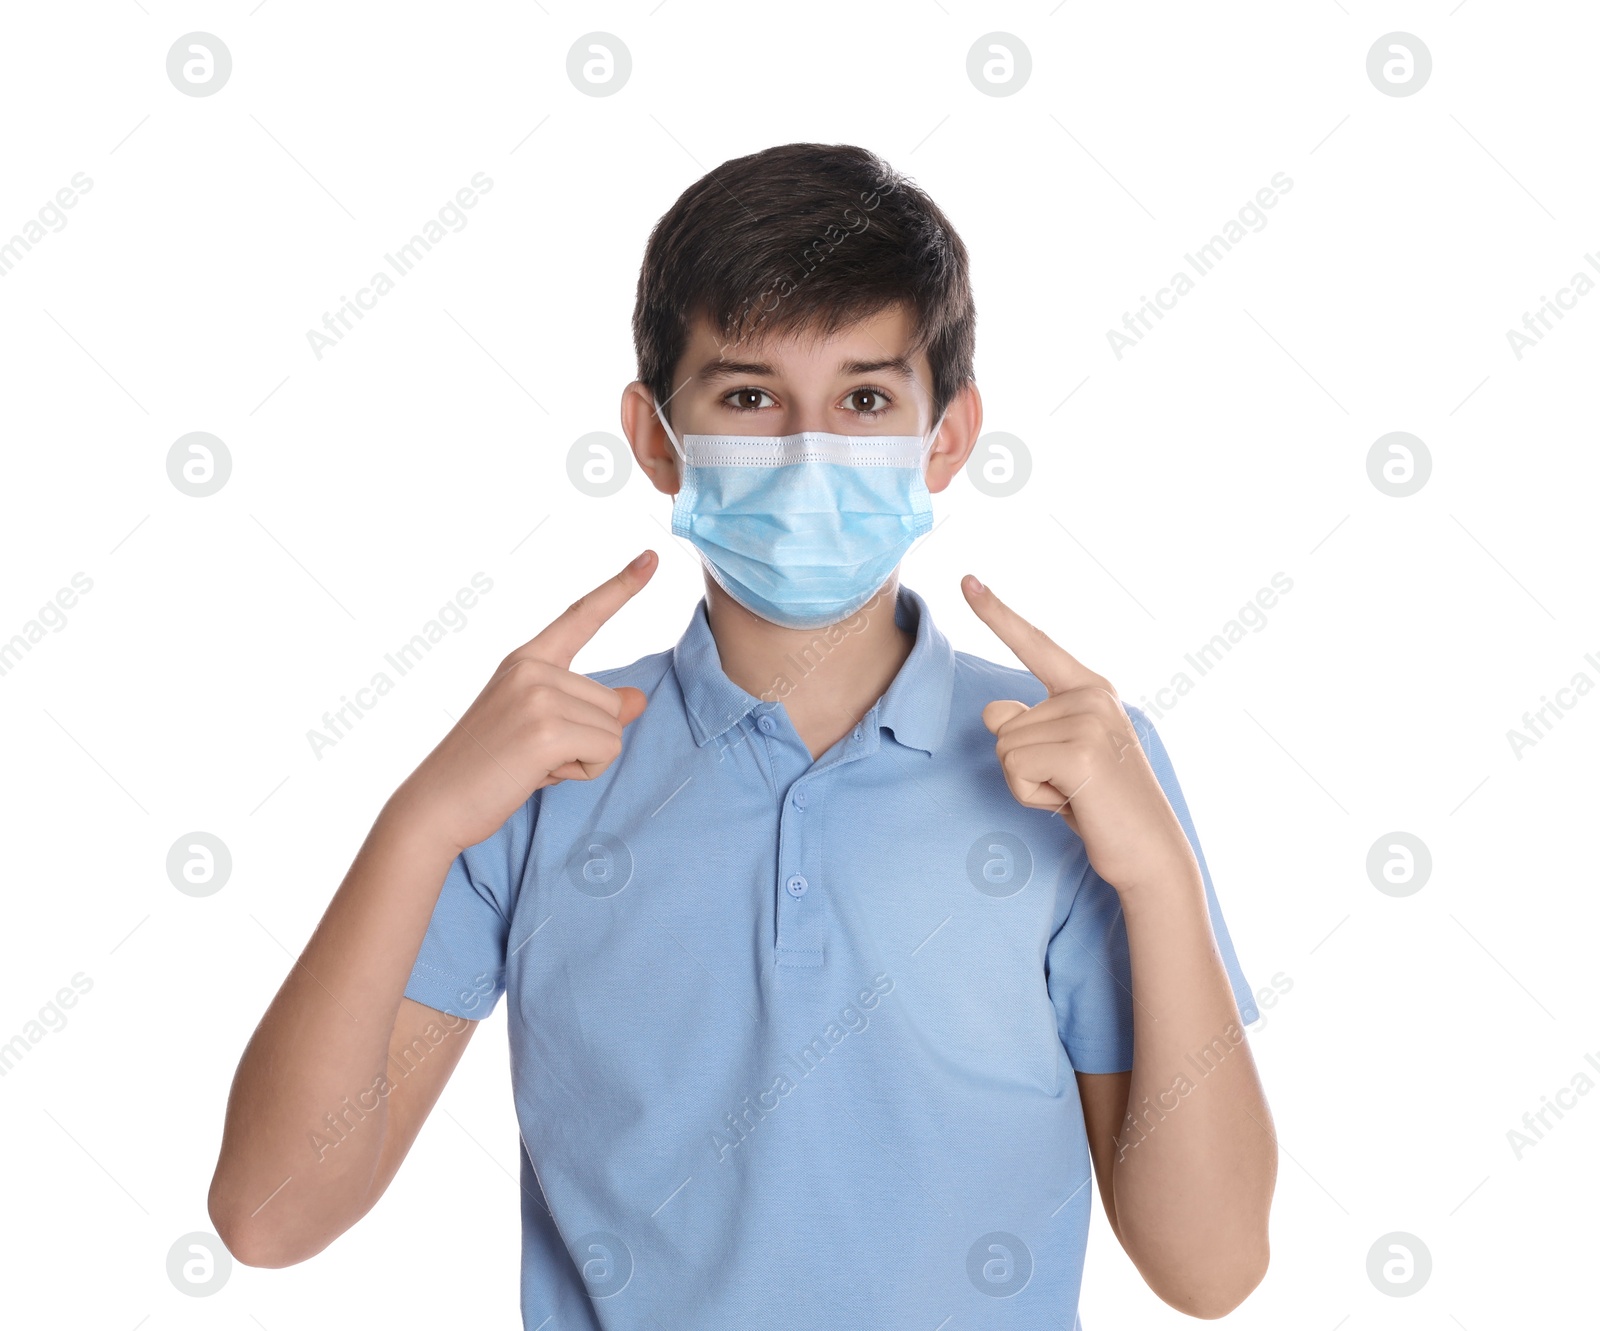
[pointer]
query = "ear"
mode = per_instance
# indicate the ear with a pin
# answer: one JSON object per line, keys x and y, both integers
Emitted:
{"x": 963, "y": 422}
{"x": 647, "y": 437}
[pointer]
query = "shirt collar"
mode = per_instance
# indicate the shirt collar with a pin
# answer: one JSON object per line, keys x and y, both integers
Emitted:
{"x": 915, "y": 707}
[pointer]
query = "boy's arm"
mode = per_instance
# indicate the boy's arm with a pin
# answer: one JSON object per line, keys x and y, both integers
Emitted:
{"x": 1104, "y": 1097}
{"x": 415, "y": 1082}
{"x": 1184, "y": 1153}
{"x": 313, "y": 1134}
{"x": 1188, "y": 1156}
{"x": 320, "y": 1115}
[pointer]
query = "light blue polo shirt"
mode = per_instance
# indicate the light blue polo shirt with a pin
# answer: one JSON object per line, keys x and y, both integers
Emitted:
{"x": 793, "y": 1041}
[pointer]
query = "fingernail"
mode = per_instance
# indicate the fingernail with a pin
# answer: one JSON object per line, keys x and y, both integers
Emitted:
{"x": 976, "y": 585}
{"x": 641, "y": 561}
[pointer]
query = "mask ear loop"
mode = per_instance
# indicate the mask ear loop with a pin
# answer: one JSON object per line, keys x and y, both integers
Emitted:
{"x": 933, "y": 436}
{"x": 922, "y": 462}
{"x": 683, "y": 460}
{"x": 686, "y": 484}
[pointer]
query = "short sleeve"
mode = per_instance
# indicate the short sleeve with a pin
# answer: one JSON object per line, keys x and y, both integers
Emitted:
{"x": 1089, "y": 977}
{"x": 461, "y": 966}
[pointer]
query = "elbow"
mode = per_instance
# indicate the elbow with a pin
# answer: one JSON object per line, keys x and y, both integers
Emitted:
{"x": 250, "y": 1243}
{"x": 1223, "y": 1291}
{"x": 247, "y": 1251}
{"x": 251, "y": 1246}
{"x": 247, "y": 1247}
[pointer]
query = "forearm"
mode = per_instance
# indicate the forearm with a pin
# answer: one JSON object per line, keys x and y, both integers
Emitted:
{"x": 277, "y": 1196}
{"x": 1196, "y": 1160}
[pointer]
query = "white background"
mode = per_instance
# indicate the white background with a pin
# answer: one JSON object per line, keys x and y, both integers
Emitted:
{"x": 1231, "y": 444}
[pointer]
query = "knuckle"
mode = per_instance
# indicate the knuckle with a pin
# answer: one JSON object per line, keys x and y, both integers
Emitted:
{"x": 519, "y": 667}
{"x": 1087, "y": 727}
{"x": 1105, "y": 698}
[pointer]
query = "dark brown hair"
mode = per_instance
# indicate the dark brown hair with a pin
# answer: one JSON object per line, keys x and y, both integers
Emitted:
{"x": 803, "y": 237}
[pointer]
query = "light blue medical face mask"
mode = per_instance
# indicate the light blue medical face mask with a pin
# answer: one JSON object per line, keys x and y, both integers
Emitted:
{"x": 801, "y": 529}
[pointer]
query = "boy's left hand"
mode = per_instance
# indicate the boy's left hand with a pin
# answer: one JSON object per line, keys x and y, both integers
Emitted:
{"x": 1076, "y": 754}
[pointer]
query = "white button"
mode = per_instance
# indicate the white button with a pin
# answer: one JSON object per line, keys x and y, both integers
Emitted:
{"x": 797, "y": 885}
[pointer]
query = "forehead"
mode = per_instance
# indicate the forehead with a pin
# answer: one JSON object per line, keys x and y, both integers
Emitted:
{"x": 877, "y": 344}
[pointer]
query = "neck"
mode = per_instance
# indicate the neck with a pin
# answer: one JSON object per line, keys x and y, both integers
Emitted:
{"x": 827, "y": 679}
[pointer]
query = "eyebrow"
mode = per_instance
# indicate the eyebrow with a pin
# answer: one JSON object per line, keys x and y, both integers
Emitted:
{"x": 898, "y": 366}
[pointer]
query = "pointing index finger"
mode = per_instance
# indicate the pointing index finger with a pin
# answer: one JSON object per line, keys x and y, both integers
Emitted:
{"x": 1051, "y": 664}
{"x": 561, "y": 640}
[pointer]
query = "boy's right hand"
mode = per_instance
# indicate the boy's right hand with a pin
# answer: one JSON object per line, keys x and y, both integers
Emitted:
{"x": 536, "y": 723}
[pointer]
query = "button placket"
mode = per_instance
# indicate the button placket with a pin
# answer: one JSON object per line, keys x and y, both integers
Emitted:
{"x": 801, "y": 916}
{"x": 803, "y": 911}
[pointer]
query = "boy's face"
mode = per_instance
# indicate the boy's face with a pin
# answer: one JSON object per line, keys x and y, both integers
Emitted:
{"x": 861, "y": 380}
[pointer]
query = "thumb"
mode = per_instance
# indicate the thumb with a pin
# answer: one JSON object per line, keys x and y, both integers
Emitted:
{"x": 633, "y": 703}
{"x": 997, "y": 713}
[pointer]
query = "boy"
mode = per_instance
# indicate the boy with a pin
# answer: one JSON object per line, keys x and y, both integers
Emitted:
{"x": 833, "y": 957}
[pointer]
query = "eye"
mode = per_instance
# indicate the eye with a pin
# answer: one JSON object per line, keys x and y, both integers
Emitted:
{"x": 861, "y": 401}
{"x": 740, "y": 399}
